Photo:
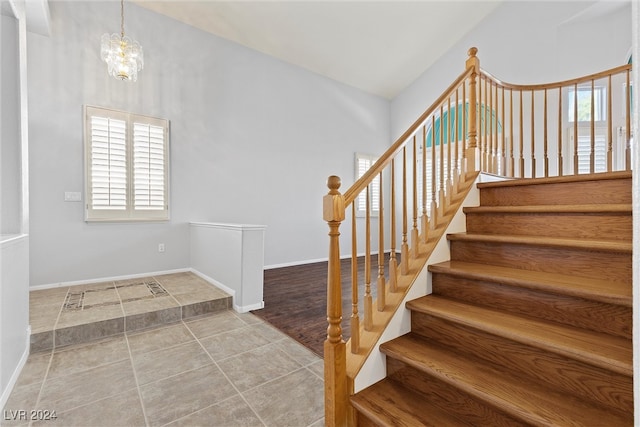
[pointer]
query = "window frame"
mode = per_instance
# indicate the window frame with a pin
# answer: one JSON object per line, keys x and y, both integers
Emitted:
{"x": 129, "y": 213}
{"x": 374, "y": 209}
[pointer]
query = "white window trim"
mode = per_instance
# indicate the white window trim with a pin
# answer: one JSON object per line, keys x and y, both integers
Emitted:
{"x": 129, "y": 212}
{"x": 362, "y": 163}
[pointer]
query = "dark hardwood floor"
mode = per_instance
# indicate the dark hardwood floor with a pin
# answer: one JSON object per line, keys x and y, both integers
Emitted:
{"x": 295, "y": 300}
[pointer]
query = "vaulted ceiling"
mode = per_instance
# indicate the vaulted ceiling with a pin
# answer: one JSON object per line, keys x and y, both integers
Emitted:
{"x": 377, "y": 46}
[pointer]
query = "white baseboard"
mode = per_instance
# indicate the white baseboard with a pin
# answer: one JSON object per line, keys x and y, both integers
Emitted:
{"x": 214, "y": 282}
{"x": 247, "y": 308}
{"x": 16, "y": 372}
{"x": 106, "y": 279}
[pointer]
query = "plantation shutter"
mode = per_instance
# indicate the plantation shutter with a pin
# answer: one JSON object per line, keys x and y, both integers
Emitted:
{"x": 126, "y": 166}
{"x": 149, "y": 186}
{"x": 363, "y": 164}
{"x": 108, "y": 163}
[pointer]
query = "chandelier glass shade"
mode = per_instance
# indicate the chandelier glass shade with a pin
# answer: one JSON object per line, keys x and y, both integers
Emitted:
{"x": 124, "y": 56}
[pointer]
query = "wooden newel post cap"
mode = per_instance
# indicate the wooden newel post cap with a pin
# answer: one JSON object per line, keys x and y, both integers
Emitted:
{"x": 473, "y": 51}
{"x": 333, "y": 183}
{"x": 333, "y": 203}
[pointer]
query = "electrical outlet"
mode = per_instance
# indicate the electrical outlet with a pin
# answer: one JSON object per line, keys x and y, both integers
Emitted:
{"x": 161, "y": 247}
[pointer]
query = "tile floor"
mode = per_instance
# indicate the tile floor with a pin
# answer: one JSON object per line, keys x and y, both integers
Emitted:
{"x": 142, "y": 353}
{"x": 73, "y": 315}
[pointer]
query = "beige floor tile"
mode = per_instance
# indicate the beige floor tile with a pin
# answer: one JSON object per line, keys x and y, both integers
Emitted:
{"x": 78, "y": 358}
{"x": 137, "y": 290}
{"x": 21, "y": 402}
{"x": 120, "y": 410}
{"x": 248, "y": 318}
{"x": 156, "y": 365}
{"x": 215, "y": 324}
{"x": 101, "y": 297}
{"x": 298, "y": 352}
{"x": 294, "y": 400}
{"x": 255, "y": 367}
{"x": 317, "y": 368}
{"x": 87, "y": 332}
{"x": 178, "y": 279}
{"x": 150, "y": 304}
{"x": 189, "y": 391}
{"x": 156, "y": 339}
{"x": 269, "y": 332}
{"x": 93, "y": 314}
{"x": 233, "y": 412}
{"x": 71, "y": 391}
{"x": 227, "y": 344}
{"x": 35, "y": 369}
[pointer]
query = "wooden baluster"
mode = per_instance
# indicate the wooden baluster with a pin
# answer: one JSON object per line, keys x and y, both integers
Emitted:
{"x": 609, "y": 129}
{"x": 456, "y": 161}
{"x": 434, "y": 204}
{"x": 404, "y": 248}
{"x": 414, "y": 204}
{"x": 463, "y": 161}
{"x": 441, "y": 195}
{"x": 425, "y": 219}
{"x": 492, "y": 142}
{"x": 521, "y": 137}
{"x": 575, "y": 130}
{"x": 355, "y": 317}
{"x": 335, "y": 357}
{"x": 486, "y": 143}
{"x": 512, "y": 162}
{"x": 393, "y": 262}
{"x": 545, "y": 138}
{"x": 533, "y": 136}
{"x": 592, "y": 155}
{"x": 560, "y": 158}
{"x": 382, "y": 289}
{"x": 474, "y": 63}
{"x": 503, "y": 156}
{"x": 368, "y": 299}
{"x": 449, "y": 183}
{"x": 627, "y": 150}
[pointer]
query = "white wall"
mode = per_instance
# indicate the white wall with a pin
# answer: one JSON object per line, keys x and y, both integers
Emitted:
{"x": 10, "y": 129}
{"x": 527, "y": 42}
{"x": 253, "y": 140}
{"x": 14, "y": 243}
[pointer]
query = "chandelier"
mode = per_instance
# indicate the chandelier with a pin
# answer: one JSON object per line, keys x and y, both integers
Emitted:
{"x": 123, "y": 55}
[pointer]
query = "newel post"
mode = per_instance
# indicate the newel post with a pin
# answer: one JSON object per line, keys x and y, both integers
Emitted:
{"x": 472, "y": 63}
{"x": 335, "y": 357}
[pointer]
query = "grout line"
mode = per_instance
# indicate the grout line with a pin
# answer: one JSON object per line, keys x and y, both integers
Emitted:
{"x": 135, "y": 378}
{"x": 228, "y": 379}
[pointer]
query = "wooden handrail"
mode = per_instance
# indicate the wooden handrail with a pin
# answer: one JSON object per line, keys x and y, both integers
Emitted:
{"x": 555, "y": 85}
{"x": 382, "y": 162}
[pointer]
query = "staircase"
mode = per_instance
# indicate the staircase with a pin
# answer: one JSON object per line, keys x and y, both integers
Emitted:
{"x": 529, "y": 323}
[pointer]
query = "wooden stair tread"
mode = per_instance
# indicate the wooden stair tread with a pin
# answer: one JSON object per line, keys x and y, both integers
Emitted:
{"x": 621, "y": 208}
{"x": 389, "y": 403}
{"x": 521, "y": 399}
{"x": 605, "y": 351}
{"x": 595, "y": 245}
{"x": 594, "y": 289}
{"x": 557, "y": 179}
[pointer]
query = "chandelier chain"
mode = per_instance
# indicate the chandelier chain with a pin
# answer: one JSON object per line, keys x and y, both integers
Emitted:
{"x": 122, "y": 18}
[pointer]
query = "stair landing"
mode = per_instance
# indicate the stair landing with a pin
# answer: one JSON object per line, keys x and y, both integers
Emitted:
{"x": 77, "y": 314}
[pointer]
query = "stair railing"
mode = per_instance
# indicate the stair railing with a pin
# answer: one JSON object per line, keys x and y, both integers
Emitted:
{"x": 428, "y": 165}
{"x": 479, "y": 123}
{"x": 578, "y": 126}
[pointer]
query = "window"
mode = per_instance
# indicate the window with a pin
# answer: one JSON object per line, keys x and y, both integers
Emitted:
{"x": 363, "y": 164}
{"x": 584, "y": 103}
{"x": 127, "y": 166}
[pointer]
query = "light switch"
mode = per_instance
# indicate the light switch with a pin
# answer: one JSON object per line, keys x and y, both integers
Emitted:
{"x": 72, "y": 196}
